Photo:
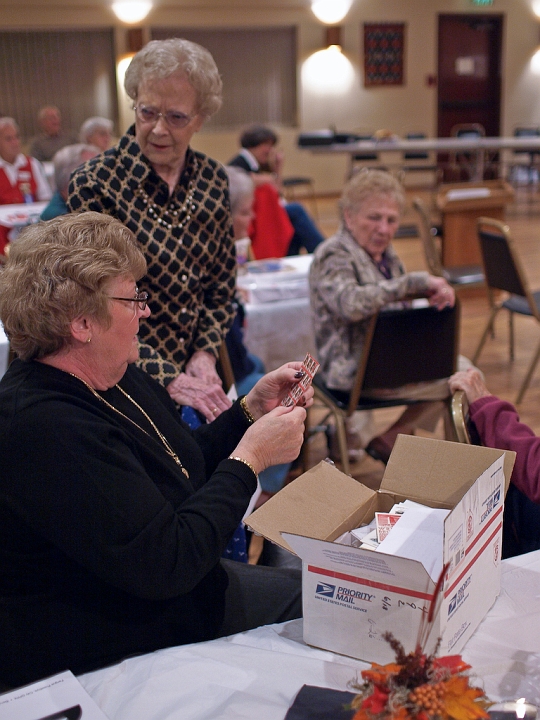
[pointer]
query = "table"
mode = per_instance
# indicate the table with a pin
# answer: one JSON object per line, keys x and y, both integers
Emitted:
{"x": 278, "y": 316}
{"x": 20, "y": 214}
{"x": 479, "y": 146}
{"x": 257, "y": 674}
{"x": 461, "y": 204}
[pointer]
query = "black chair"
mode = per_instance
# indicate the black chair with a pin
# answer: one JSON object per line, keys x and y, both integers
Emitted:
{"x": 290, "y": 186}
{"x": 401, "y": 347}
{"x": 366, "y": 159}
{"x": 524, "y": 169}
{"x": 504, "y": 272}
{"x": 417, "y": 161}
{"x": 463, "y": 276}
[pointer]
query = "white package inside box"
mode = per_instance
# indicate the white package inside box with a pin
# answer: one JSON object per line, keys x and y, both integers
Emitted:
{"x": 352, "y": 596}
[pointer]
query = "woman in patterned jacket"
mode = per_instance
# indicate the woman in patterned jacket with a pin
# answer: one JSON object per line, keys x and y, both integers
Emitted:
{"x": 176, "y": 202}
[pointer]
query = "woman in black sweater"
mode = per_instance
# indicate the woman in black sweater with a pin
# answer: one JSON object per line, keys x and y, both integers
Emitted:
{"x": 113, "y": 514}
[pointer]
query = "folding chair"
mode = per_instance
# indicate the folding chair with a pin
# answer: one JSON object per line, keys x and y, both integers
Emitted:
{"x": 504, "y": 272}
{"x": 401, "y": 346}
{"x": 460, "y": 276}
{"x": 460, "y": 417}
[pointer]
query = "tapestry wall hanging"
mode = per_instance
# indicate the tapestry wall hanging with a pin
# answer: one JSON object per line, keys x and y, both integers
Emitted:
{"x": 384, "y": 54}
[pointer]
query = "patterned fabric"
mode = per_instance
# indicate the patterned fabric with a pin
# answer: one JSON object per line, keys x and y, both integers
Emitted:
{"x": 191, "y": 265}
{"x": 346, "y": 289}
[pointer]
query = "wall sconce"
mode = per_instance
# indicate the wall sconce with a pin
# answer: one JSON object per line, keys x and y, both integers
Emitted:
{"x": 131, "y": 11}
{"x": 328, "y": 72}
{"x": 330, "y": 11}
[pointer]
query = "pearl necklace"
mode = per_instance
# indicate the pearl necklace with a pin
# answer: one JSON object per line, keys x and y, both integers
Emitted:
{"x": 168, "y": 217}
{"x": 160, "y": 435}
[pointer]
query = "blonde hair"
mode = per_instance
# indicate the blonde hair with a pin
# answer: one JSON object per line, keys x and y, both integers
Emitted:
{"x": 56, "y": 272}
{"x": 161, "y": 58}
{"x": 367, "y": 183}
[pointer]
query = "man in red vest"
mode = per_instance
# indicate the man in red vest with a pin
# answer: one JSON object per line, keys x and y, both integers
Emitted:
{"x": 22, "y": 178}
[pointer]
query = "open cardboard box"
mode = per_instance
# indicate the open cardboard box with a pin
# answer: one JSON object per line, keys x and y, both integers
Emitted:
{"x": 352, "y": 596}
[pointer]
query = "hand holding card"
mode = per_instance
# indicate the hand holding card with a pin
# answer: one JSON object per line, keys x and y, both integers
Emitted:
{"x": 308, "y": 370}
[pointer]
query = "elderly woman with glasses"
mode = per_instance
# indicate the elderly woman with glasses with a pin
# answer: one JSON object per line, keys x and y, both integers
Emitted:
{"x": 175, "y": 201}
{"x": 113, "y": 514}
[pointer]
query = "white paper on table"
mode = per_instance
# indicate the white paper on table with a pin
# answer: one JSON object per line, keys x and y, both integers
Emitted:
{"x": 60, "y": 696}
{"x": 418, "y": 536}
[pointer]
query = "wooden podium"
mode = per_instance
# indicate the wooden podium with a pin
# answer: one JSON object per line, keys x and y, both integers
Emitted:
{"x": 461, "y": 204}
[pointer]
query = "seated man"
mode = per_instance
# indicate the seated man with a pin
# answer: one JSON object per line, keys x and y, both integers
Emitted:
{"x": 51, "y": 138}
{"x": 22, "y": 178}
{"x": 498, "y": 425}
{"x": 260, "y": 158}
{"x": 65, "y": 162}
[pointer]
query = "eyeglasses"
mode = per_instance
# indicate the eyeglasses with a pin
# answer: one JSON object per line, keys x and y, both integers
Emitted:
{"x": 141, "y": 298}
{"x": 173, "y": 118}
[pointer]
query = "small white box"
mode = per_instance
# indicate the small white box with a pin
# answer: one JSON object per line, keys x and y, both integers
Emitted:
{"x": 351, "y": 596}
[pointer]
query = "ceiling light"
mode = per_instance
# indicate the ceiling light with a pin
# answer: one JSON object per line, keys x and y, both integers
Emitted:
{"x": 330, "y": 11}
{"x": 131, "y": 11}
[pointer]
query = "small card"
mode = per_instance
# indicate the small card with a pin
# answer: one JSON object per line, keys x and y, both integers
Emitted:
{"x": 309, "y": 368}
{"x": 385, "y": 522}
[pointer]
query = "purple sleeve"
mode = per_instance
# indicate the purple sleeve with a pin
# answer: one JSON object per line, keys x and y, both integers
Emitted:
{"x": 499, "y": 426}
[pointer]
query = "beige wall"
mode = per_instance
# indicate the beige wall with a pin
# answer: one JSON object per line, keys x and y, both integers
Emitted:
{"x": 411, "y": 107}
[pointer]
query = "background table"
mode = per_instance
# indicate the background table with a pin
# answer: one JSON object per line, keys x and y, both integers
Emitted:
{"x": 258, "y": 674}
{"x": 478, "y": 146}
{"x": 280, "y": 329}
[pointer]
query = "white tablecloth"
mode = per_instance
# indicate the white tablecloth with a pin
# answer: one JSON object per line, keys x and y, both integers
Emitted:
{"x": 258, "y": 674}
{"x": 279, "y": 330}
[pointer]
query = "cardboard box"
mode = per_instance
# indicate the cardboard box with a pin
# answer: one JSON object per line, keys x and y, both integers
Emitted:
{"x": 351, "y": 596}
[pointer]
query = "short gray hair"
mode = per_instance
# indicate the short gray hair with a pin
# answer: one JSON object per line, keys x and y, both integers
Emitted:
{"x": 5, "y": 121}
{"x": 90, "y": 126}
{"x": 241, "y": 186}
{"x": 57, "y": 271}
{"x": 161, "y": 58}
{"x": 367, "y": 183}
{"x": 67, "y": 159}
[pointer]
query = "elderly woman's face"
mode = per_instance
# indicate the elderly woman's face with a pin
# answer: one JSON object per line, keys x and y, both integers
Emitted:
{"x": 242, "y": 218}
{"x": 101, "y": 138}
{"x": 116, "y": 346}
{"x": 162, "y": 144}
{"x": 374, "y": 224}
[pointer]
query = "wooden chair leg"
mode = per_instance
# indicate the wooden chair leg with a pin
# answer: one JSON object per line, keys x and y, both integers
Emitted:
{"x": 528, "y": 376}
{"x": 511, "y": 334}
{"x": 342, "y": 441}
{"x": 486, "y": 332}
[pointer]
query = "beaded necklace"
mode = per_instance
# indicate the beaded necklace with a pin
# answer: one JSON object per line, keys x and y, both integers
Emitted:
{"x": 168, "y": 217}
{"x": 160, "y": 435}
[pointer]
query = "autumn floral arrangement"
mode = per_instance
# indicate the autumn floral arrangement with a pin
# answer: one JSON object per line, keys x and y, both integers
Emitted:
{"x": 418, "y": 686}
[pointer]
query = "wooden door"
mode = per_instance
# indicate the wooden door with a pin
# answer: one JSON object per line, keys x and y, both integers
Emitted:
{"x": 469, "y": 71}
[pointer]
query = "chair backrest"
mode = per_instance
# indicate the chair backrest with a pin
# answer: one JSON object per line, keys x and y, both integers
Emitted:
{"x": 415, "y": 155}
{"x": 460, "y": 417}
{"x": 526, "y": 132}
{"x": 411, "y": 345}
{"x": 431, "y": 251}
{"x": 467, "y": 130}
{"x": 502, "y": 266}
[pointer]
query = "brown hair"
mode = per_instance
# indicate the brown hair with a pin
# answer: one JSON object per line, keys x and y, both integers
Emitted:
{"x": 56, "y": 272}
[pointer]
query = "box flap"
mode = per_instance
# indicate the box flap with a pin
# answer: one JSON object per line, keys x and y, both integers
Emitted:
{"x": 438, "y": 472}
{"x": 322, "y": 503}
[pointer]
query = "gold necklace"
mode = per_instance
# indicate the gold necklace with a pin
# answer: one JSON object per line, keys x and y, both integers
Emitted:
{"x": 166, "y": 217}
{"x": 160, "y": 435}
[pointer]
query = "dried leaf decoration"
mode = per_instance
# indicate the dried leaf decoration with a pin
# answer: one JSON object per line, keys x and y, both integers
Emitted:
{"x": 418, "y": 687}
